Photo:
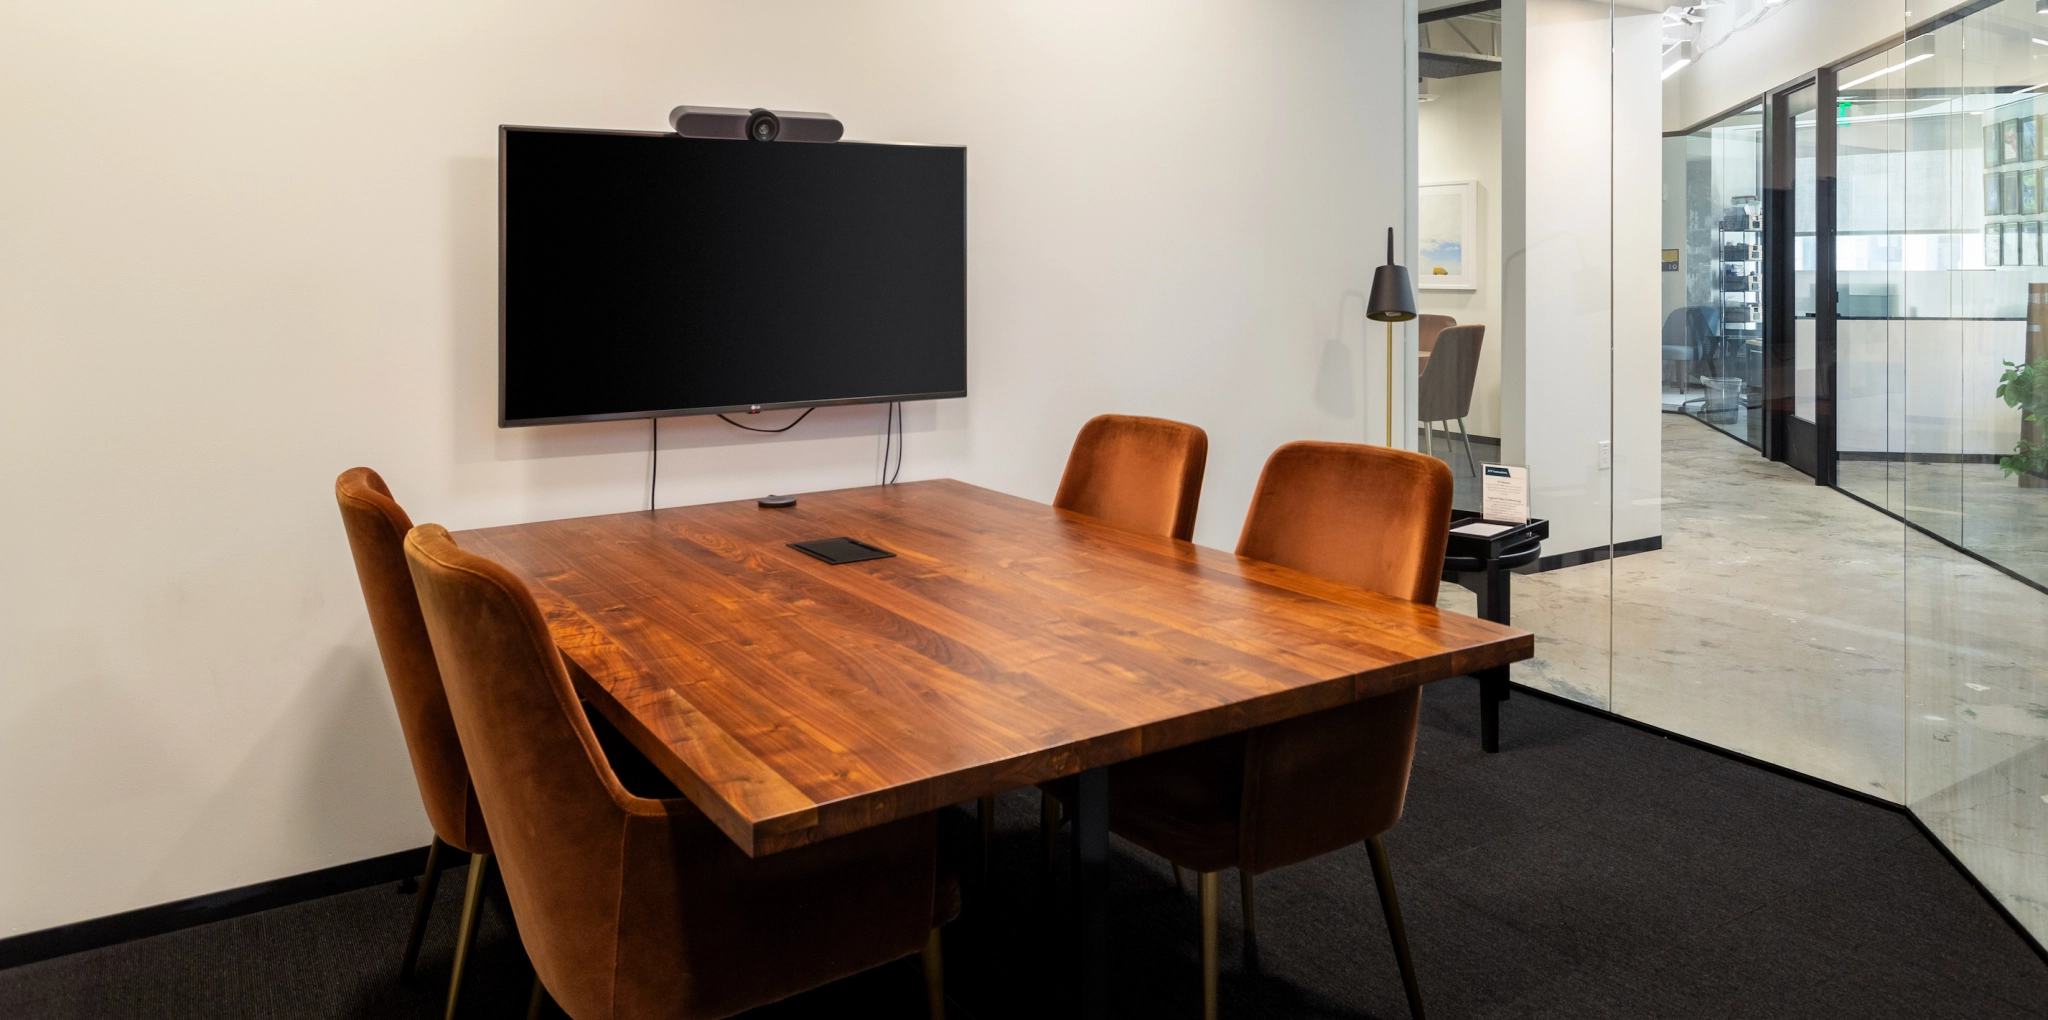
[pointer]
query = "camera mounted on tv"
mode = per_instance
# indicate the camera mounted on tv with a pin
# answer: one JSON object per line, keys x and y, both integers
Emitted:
{"x": 758, "y": 124}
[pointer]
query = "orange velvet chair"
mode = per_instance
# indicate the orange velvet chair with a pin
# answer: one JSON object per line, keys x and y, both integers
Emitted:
{"x": 632, "y": 907}
{"x": 1139, "y": 474}
{"x": 376, "y": 536}
{"x": 1279, "y": 794}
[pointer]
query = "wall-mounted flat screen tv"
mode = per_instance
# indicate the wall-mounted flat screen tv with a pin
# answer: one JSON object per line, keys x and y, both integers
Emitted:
{"x": 645, "y": 275}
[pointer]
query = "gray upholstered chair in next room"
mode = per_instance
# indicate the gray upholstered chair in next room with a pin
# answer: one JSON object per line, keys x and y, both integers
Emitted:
{"x": 1427, "y": 328}
{"x": 1445, "y": 391}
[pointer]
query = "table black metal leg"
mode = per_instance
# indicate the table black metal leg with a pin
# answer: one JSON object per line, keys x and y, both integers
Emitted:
{"x": 1493, "y": 689}
{"x": 1091, "y": 861}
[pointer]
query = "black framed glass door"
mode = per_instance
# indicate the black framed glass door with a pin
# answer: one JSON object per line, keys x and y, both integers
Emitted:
{"x": 1799, "y": 273}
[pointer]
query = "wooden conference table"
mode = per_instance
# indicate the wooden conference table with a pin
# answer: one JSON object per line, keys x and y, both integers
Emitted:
{"x": 1006, "y": 643}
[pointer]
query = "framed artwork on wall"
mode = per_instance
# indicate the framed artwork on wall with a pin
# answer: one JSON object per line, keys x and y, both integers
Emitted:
{"x": 1446, "y": 236}
{"x": 1994, "y": 243}
{"x": 2011, "y": 139}
{"x": 1991, "y": 144}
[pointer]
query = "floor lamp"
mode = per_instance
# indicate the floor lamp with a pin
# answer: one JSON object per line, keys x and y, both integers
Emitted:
{"x": 1392, "y": 301}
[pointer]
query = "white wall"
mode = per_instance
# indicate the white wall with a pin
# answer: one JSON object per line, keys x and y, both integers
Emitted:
{"x": 1460, "y": 141}
{"x": 245, "y": 246}
{"x": 1793, "y": 40}
{"x": 1581, "y": 213}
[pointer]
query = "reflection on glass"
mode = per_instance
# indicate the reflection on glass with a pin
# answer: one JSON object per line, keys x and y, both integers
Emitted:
{"x": 1941, "y": 161}
{"x": 1713, "y": 327}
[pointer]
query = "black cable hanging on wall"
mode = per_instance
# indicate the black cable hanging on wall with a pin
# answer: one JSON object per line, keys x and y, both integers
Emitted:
{"x": 892, "y": 437}
{"x": 785, "y": 428}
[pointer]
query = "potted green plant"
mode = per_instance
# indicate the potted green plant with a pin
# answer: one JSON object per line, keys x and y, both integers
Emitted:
{"x": 2025, "y": 386}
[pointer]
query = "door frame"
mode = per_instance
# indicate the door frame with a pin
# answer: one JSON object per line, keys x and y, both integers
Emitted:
{"x": 1807, "y": 446}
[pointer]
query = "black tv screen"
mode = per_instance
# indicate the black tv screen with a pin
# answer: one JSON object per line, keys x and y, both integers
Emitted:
{"x": 645, "y": 275}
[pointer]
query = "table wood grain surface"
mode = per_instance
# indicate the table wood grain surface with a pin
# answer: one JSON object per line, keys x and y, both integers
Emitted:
{"x": 1005, "y": 643}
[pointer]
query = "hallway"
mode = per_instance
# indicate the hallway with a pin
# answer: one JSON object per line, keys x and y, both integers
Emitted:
{"x": 1774, "y": 622}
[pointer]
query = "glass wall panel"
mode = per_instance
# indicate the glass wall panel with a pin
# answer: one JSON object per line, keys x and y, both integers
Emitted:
{"x": 1973, "y": 492}
{"x": 1713, "y": 328}
{"x": 1874, "y": 112}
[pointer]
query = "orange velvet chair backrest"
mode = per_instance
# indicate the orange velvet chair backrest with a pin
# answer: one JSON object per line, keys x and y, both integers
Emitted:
{"x": 1377, "y": 518}
{"x": 1366, "y": 515}
{"x": 628, "y": 906}
{"x": 376, "y": 528}
{"x": 1140, "y": 474}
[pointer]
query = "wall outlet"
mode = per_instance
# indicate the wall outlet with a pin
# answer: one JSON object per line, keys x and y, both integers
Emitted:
{"x": 1606, "y": 454}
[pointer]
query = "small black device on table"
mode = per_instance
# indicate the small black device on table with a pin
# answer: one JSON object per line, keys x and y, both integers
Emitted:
{"x": 841, "y": 550}
{"x": 1481, "y": 565}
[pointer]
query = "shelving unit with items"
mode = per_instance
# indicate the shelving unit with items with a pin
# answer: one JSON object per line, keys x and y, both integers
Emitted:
{"x": 1739, "y": 250}
{"x": 2014, "y": 190}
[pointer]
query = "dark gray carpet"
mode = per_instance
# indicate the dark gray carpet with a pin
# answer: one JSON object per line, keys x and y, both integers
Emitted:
{"x": 1589, "y": 870}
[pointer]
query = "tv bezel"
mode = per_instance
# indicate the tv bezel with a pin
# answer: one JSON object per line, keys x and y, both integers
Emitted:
{"x": 504, "y": 131}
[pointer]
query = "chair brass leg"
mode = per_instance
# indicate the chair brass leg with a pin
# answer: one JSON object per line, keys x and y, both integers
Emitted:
{"x": 1048, "y": 829}
{"x": 424, "y": 903}
{"x": 465, "y": 938}
{"x": 934, "y": 978}
{"x": 1383, "y": 876}
{"x": 1180, "y": 879}
{"x": 537, "y": 1001}
{"x": 1207, "y": 882}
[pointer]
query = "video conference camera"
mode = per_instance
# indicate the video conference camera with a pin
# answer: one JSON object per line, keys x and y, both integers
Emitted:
{"x": 757, "y": 124}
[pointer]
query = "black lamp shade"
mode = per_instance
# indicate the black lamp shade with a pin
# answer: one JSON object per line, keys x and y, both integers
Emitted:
{"x": 1392, "y": 299}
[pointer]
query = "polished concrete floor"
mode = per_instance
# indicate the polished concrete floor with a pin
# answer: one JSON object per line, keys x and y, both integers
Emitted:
{"x": 1791, "y": 623}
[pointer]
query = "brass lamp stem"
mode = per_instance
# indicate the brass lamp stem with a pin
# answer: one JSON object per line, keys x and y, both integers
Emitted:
{"x": 1390, "y": 384}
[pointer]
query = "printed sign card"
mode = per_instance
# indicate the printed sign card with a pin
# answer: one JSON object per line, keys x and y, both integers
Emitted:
{"x": 1504, "y": 493}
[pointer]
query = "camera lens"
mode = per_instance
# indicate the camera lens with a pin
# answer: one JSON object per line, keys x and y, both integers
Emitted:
{"x": 763, "y": 126}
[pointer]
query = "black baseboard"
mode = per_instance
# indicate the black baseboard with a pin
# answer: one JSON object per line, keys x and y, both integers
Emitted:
{"x": 1814, "y": 781}
{"x": 1917, "y": 458}
{"x": 1593, "y": 555}
{"x": 169, "y": 917}
{"x": 1944, "y": 540}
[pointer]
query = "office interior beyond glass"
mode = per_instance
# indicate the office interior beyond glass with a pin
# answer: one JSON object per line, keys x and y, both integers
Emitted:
{"x": 1912, "y": 183}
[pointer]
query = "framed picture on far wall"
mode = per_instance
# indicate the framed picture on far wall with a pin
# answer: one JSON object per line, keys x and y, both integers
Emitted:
{"x": 1991, "y": 144}
{"x": 2030, "y": 243}
{"x": 1446, "y": 248}
{"x": 2010, "y": 137}
{"x": 2029, "y": 136}
{"x": 2030, "y": 195}
{"x": 2010, "y": 256}
{"x": 1994, "y": 242}
{"x": 1991, "y": 189}
{"x": 2009, "y": 193}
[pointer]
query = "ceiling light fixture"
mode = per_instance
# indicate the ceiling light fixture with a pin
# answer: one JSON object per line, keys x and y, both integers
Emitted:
{"x": 1909, "y": 61}
{"x": 1678, "y": 57}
